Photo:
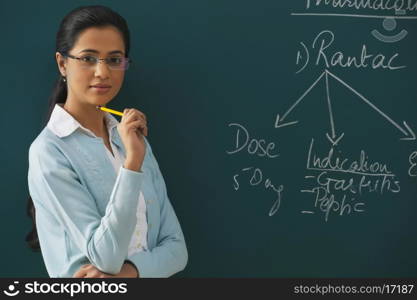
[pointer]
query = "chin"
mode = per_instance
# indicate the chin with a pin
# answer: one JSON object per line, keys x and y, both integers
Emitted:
{"x": 100, "y": 100}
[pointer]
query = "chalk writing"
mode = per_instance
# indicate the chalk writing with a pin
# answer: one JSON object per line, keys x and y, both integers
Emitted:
{"x": 252, "y": 145}
{"x": 341, "y": 182}
{"x": 333, "y": 163}
{"x": 323, "y": 56}
{"x": 412, "y": 171}
{"x": 328, "y": 203}
{"x": 257, "y": 178}
{"x": 376, "y": 5}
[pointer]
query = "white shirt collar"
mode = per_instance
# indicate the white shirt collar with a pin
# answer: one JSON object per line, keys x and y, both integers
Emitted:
{"x": 62, "y": 124}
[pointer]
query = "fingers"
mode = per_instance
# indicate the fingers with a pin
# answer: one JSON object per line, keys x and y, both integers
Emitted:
{"x": 135, "y": 119}
{"x": 82, "y": 271}
{"x": 90, "y": 271}
{"x": 79, "y": 274}
{"x": 133, "y": 114}
{"x": 139, "y": 124}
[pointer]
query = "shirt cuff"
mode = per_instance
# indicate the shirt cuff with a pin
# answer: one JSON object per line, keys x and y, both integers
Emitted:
{"x": 122, "y": 167}
{"x": 130, "y": 182}
{"x": 143, "y": 263}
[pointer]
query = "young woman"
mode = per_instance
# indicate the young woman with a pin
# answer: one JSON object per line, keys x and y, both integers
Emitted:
{"x": 102, "y": 208}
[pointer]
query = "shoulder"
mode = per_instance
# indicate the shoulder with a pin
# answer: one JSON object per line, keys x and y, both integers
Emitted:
{"x": 45, "y": 141}
{"x": 45, "y": 146}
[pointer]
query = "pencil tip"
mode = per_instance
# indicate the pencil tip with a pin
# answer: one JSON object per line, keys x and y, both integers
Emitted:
{"x": 98, "y": 106}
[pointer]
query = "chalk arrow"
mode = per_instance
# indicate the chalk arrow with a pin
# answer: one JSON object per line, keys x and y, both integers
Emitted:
{"x": 334, "y": 139}
{"x": 279, "y": 121}
{"x": 411, "y": 136}
{"x": 408, "y": 133}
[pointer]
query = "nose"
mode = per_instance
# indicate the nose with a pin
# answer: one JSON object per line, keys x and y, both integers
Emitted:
{"x": 101, "y": 69}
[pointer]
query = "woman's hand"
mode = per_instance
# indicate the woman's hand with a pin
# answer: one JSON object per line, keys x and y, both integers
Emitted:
{"x": 131, "y": 129}
{"x": 90, "y": 271}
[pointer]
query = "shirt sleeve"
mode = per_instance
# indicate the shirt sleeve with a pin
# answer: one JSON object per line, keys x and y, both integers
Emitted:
{"x": 170, "y": 255}
{"x": 55, "y": 186}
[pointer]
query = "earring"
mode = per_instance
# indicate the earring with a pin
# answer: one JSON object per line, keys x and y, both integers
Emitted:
{"x": 64, "y": 79}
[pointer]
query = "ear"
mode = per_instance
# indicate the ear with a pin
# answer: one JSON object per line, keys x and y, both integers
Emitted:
{"x": 62, "y": 63}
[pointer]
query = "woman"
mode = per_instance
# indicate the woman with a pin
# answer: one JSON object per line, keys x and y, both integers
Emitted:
{"x": 102, "y": 208}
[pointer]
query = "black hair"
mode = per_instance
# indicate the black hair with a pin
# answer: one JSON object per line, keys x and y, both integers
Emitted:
{"x": 69, "y": 30}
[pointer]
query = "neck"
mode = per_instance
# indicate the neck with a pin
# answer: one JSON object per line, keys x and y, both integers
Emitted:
{"x": 87, "y": 115}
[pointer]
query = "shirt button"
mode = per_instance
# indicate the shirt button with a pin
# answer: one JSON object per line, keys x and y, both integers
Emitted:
{"x": 150, "y": 225}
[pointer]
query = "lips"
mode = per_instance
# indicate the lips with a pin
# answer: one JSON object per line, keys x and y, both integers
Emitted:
{"x": 100, "y": 89}
{"x": 101, "y": 86}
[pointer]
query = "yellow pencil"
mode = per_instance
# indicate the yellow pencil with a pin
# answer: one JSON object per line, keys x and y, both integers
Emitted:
{"x": 110, "y": 110}
{"x": 144, "y": 131}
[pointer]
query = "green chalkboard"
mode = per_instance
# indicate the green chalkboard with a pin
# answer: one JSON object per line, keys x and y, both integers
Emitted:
{"x": 285, "y": 130}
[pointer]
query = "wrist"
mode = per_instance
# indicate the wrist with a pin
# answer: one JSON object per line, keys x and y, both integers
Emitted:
{"x": 134, "y": 165}
{"x": 132, "y": 270}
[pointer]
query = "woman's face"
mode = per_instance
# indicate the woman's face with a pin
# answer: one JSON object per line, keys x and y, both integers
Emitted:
{"x": 100, "y": 42}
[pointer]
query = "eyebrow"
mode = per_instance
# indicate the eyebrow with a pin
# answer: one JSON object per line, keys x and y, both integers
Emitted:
{"x": 95, "y": 51}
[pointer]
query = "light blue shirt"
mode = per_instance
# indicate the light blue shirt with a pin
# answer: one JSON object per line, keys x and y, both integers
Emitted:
{"x": 86, "y": 211}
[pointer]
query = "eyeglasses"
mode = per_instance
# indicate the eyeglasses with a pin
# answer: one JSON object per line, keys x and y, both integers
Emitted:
{"x": 90, "y": 62}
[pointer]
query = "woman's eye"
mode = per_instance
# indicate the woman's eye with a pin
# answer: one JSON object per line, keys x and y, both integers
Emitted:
{"x": 88, "y": 59}
{"x": 115, "y": 60}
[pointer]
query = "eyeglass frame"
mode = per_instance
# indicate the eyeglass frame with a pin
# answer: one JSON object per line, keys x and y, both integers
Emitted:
{"x": 128, "y": 60}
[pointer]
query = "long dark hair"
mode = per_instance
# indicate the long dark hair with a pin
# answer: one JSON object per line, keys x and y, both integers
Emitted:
{"x": 70, "y": 28}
